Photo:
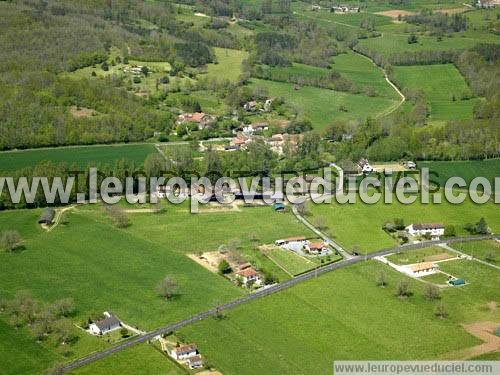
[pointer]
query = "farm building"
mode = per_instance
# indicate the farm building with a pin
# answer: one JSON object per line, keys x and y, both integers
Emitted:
{"x": 47, "y": 216}
{"x": 195, "y": 362}
{"x": 279, "y": 207}
{"x": 457, "y": 282}
{"x": 184, "y": 352}
{"x": 248, "y": 276}
{"x": 433, "y": 229}
{"x": 108, "y": 324}
{"x": 365, "y": 166}
{"x": 285, "y": 241}
{"x": 488, "y": 3}
{"x": 422, "y": 269}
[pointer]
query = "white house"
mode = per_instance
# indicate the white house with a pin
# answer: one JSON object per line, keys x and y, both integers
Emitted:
{"x": 411, "y": 165}
{"x": 432, "y": 229}
{"x": 184, "y": 352}
{"x": 317, "y": 248}
{"x": 248, "y": 276}
{"x": 423, "y": 269}
{"x": 108, "y": 324}
{"x": 365, "y": 166}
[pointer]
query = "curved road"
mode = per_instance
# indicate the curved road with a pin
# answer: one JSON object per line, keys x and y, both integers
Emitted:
{"x": 259, "y": 294}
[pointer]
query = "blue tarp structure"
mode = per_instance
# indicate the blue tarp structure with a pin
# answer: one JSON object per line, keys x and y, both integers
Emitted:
{"x": 457, "y": 282}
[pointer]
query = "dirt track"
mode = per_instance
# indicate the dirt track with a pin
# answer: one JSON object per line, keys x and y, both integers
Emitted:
{"x": 483, "y": 331}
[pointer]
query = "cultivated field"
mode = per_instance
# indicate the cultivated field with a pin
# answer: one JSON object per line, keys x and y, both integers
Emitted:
{"x": 323, "y": 106}
{"x": 81, "y": 156}
{"x": 468, "y": 170}
{"x": 443, "y": 86}
{"x": 344, "y": 315}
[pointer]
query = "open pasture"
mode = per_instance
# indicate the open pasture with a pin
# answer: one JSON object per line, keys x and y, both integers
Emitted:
{"x": 443, "y": 86}
{"x": 326, "y": 315}
{"x": 361, "y": 224}
{"x": 81, "y": 156}
{"x": 322, "y": 106}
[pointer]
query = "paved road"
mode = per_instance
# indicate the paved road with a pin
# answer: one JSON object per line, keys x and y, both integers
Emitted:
{"x": 259, "y": 294}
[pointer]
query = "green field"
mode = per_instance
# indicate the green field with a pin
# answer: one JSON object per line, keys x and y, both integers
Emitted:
{"x": 143, "y": 359}
{"x": 468, "y": 170}
{"x": 438, "y": 278}
{"x": 104, "y": 268}
{"x": 440, "y": 83}
{"x": 20, "y": 354}
{"x": 80, "y": 156}
{"x": 389, "y": 43}
{"x": 480, "y": 249}
{"x": 343, "y": 315}
{"x": 361, "y": 224}
{"x": 290, "y": 261}
{"x": 362, "y": 71}
{"x": 417, "y": 256}
{"x": 228, "y": 64}
{"x": 322, "y": 106}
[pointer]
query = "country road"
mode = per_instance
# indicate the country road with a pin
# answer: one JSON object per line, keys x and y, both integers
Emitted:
{"x": 259, "y": 294}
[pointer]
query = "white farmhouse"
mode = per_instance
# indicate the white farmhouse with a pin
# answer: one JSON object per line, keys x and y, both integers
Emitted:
{"x": 184, "y": 352}
{"x": 108, "y": 324}
{"x": 432, "y": 229}
{"x": 249, "y": 276}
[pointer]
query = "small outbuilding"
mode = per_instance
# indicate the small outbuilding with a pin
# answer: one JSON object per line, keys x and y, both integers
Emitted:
{"x": 457, "y": 282}
{"x": 47, "y": 216}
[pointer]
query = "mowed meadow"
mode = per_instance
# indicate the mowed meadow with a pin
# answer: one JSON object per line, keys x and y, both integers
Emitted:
{"x": 360, "y": 224}
{"x": 468, "y": 169}
{"x": 323, "y": 106}
{"x": 104, "y": 268}
{"x": 81, "y": 156}
{"x": 344, "y": 315}
{"x": 444, "y": 87}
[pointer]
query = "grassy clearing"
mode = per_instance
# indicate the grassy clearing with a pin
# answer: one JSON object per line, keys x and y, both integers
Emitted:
{"x": 468, "y": 170}
{"x": 322, "y": 106}
{"x": 228, "y": 64}
{"x": 443, "y": 86}
{"x": 438, "y": 278}
{"x": 389, "y": 44}
{"x": 361, "y": 224}
{"x": 290, "y": 261}
{"x": 342, "y": 315}
{"x": 81, "y": 156}
{"x": 480, "y": 249}
{"x": 417, "y": 256}
{"x": 363, "y": 72}
{"x": 141, "y": 359}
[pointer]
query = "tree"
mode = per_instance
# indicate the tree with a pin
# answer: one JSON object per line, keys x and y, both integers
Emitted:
{"x": 224, "y": 267}
{"x": 118, "y": 216}
{"x": 412, "y": 39}
{"x": 64, "y": 332}
{"x": 167, "y": 287}
{"x": 482, "y": 227}
{"x": 320, "y": 223}
{"x": 449, "y": 231}
{"x": 57, "y": 369}
{"x": 154, "y": 165}
{"x": 381, "y": 279}
{"x": 441, "y": 311}
{"x": 105, "y": 66}
{"x": 63, "y": 307}
{"x": 10, "y": 240}
{"x": 399, "y": 223}
{"x": 490, "y": 256}
{"x": 124, "y": 332}
{"x": 403, "y": 289}
{"x": 431, "y": 292}
{"x": 145, "y": 70}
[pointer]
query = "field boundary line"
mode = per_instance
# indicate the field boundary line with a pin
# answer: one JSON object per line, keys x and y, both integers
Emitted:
{"x": 279, "y": 265}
